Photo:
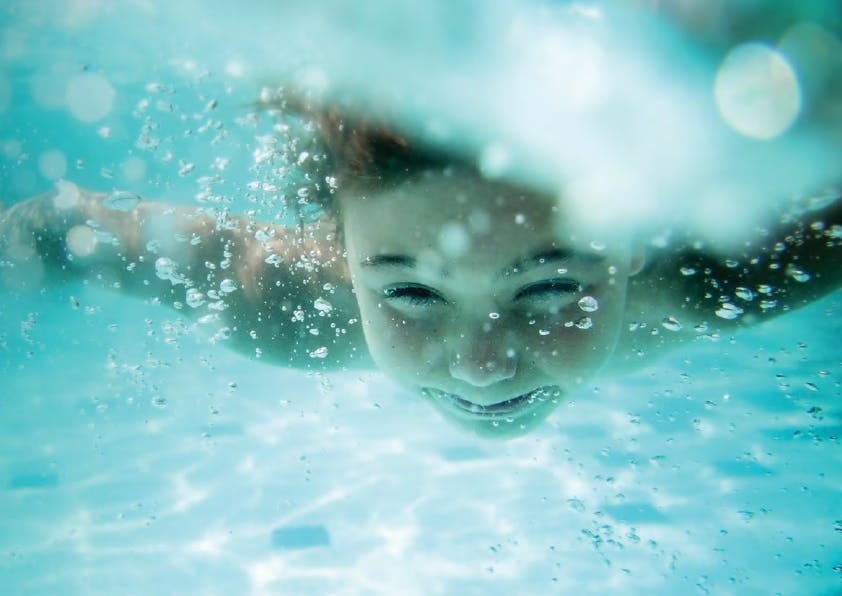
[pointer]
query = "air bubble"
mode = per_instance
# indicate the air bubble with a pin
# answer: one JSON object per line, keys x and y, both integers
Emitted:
{"x": 186, "y": 168}
{"x": 494, "y": 315}
{"x": 728, "y": 311}
{"x": 744, "y": 293}
{"x": 798, "y": 274}
{"x": 584, "y": 323}
{"x": 322, "y": 305}
{"x": 166, "y": 269}
{"x": 319, "y": 353}
{"x": 671, "y": 324}
{"x": 588, "y": 304}
{"x": 687, "y": 271}
{"x": 121, "y": 200}
{"x": 194, "y": 298}
{"x": 543, "y": 332}
{"x": 274, "y": 260}
{"x": 227, "y": 286}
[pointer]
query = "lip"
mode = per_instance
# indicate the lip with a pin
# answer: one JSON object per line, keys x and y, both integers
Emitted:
{"x": 501, "y": 409}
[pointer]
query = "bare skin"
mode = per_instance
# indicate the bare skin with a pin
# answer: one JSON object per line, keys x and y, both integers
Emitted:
{"x": 477, "y": 295}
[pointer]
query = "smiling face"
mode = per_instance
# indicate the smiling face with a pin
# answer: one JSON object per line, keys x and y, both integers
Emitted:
{"x": 475, "y": 295}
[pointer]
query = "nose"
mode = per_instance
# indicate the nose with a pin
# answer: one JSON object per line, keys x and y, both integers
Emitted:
{"x": 483, "y": 357}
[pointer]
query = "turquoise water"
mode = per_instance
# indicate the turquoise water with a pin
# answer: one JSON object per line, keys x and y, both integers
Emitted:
{"x": 139, "y": 456}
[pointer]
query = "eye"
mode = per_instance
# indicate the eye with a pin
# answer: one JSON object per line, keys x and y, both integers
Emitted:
{"x": 549, "y": 289}
{"x": 413, "y": 295}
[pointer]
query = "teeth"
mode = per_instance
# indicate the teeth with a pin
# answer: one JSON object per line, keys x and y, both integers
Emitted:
{"x": 498, "y": 409}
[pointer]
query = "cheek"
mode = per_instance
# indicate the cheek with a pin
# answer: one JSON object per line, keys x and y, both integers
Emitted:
{"x": 574, "y": 342}
{"x": 398, "y": 343}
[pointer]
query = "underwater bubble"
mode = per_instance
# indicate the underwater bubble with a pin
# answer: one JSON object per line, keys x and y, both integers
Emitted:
{"x": 671, "y": 324}
{"x": 194, "y": 298}
{"x": 520, "y": 219}
{"x": 494, "y": 315}
{"x": 185, "y": 168}
{"x": 273, "y": 259}
{"x": 584, "y": 323}
{"x": 226, "y": 286}
{"x": 687, "y": 271}
{"x": 597, "y": 246}
{"x": 322, "y": 305}
{"x": 757, "y": 91}
{"x": 122, "y": 200}
{"x": 543, "y": 332}
{"x": 768, "y": 304}
{"x": 744, "y": 293}
{"x": 319, "y": 353}
{"x": 588, "y": 304}
{"x": 165, "y": 268}
{"x": 728, "y": 311}
{"x": 764, "y": 289}
{"x": 798, "y": 275}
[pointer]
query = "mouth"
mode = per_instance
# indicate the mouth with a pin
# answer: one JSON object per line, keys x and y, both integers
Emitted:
{"x": 502, "y": 409}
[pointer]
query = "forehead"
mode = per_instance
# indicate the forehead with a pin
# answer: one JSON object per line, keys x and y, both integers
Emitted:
{"x": 452, "y": 203}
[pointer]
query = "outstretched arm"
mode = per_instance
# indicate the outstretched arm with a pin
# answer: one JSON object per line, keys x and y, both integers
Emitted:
{"x": 685, "y": 293}
{"x": 282, "y": 294}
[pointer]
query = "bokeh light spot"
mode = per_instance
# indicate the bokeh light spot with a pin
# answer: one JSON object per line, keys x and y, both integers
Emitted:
{"x": 757, "y": 91}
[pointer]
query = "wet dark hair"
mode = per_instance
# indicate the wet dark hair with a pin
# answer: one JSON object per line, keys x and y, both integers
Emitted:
{"x": 363, "y": 151}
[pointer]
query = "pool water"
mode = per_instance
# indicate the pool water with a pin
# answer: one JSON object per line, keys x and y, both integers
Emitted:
{"x": 138, "y": 455}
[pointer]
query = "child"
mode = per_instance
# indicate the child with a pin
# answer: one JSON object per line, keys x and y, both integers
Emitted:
{"x": 480, "y": 294}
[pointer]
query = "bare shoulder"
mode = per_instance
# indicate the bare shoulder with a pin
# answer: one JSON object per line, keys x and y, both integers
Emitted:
{"x": 687, "y": 293}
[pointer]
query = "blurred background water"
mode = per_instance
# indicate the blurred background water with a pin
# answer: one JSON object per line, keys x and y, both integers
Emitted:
{"x": 137, "y": 456}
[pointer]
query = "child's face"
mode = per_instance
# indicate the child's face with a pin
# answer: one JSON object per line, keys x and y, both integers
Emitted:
{"x": 477, "y": 296}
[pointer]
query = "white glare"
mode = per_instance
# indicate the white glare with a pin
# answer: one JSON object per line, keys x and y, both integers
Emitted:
{"x": 757, "y": 91}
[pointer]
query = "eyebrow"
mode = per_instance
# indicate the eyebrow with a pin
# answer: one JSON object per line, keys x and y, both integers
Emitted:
{"x": 550, "y": 256}
{"x": 403, "y": 261}
{"x": 537, "y": 259}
